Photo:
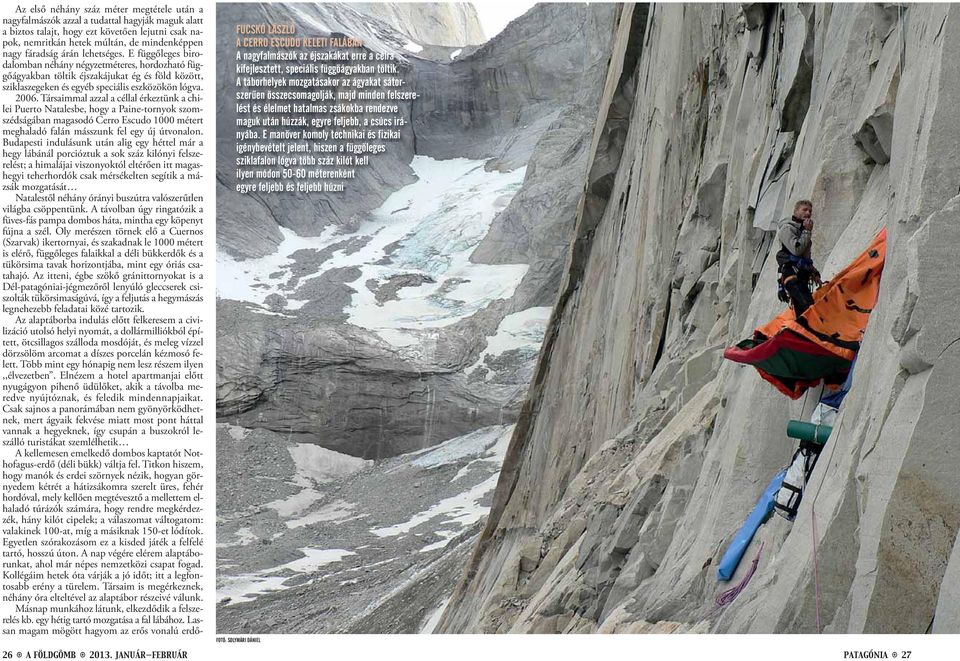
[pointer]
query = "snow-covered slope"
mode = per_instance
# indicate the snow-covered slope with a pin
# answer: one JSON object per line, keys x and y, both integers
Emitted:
{"x": 438, "y": 23}
{"x": 424, "y": 233}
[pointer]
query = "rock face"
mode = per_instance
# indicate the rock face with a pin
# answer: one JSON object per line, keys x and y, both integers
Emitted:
{"x": 498, "y": 100}
{"x": 639, "y": 451}
{"x": 296, "y": 353}
{"x": 438, "y": 23}
{"x": 339, "y": 388}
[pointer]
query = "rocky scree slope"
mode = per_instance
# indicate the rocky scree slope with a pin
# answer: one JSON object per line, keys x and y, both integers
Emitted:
{"x": 639, "y": 451}
{"x": 312, "y": 541}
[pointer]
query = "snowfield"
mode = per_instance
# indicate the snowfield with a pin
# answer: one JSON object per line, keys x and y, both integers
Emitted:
{"x": 429, "y": 229}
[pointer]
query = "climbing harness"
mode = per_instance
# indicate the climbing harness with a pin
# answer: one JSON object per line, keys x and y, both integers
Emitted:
{"x": 799, "y": 264}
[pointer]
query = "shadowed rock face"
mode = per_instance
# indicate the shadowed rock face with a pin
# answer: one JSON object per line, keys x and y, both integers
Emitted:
{"x": 248, "y": 224}
{"x": 498, "y": 100}
{"x": 639, "y": 452}
{"x": 452, "y": 24}
{"x": 340, "y": 388}
{"x": 526, "y": 99}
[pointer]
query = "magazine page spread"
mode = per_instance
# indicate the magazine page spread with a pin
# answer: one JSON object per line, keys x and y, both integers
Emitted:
{"x": 475, "y": 318}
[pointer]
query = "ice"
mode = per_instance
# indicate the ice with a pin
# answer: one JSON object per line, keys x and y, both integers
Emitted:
{"x": 314, "y": 559}
{"x": 275, "y": 314}
{"x": 463, "y": 509}
{"x": 398, "y": 338}
{"x": 455, "y": 54}
{"x": 412, "y": 47}
{"x": 445, "y": 536}
{"x": 497, "y": 453}
{"x": 253, "y": 280}
{"x": 439, "y": 220}
{"x": 494, "y": 454}
{"x": 520, "y": 330}
{"x": 484, "y": 441}
{"x": 247, "y": 587}
{"x": 463, "y": 472}
{"x": 434, "y": 225}
{"x": 314, "y": 466}
{"x": 487, "y": 445}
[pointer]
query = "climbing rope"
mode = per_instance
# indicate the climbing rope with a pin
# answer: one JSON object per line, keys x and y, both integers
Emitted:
{"x": 727, "y": 597}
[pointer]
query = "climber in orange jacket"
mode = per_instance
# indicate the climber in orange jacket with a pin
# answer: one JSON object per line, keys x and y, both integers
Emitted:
{"x": 796, "y": 266}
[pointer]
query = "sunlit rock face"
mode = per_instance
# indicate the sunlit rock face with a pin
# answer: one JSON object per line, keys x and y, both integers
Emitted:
{"x": 640, "y": 452}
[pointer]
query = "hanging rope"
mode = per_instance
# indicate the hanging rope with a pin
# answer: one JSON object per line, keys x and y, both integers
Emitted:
{"x": 728, "y": 596}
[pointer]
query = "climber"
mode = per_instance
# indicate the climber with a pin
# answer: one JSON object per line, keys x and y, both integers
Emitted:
{"x": 796, "y": 353}
{"x": 796, "y": 266}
